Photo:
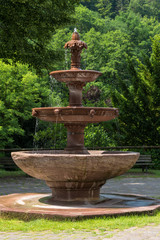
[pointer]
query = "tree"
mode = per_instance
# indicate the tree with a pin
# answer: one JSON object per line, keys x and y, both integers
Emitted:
{"x": 27, "y": 26}
{"x": 110, "y": 44}
{"x": 20, "y": 91}
{"x": 104, "y": 7}
{"x": 149, "y": 8}
{"x": 85, "y": 19}
{"x": 90, "y": 4}
{"x": 139, "y": 119}
{"x": 111, "y": 8}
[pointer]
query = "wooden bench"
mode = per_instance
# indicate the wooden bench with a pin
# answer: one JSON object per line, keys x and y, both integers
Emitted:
{"x": 144, "y": 161}
{"x": 7, "y": 163}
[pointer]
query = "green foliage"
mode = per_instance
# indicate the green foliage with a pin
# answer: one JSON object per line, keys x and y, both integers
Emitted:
{"x": 111, "y": 7}
{"x": 104, "y": 7}
{"x": 59, "y": 95}
{"x": 27, "y": 26}
{"x": 110, "y": 44}
{"x": 96, "y": 135}
{"x": 139, "y": 103}
{"x": 117, "y": 34}
{"x": 146, "y": 7}
{"x": 20, "y": 91}
{"x": 155, "y": 154}
{"x": 50, "y": 135}
{"x": 85, "y": 19}
{"x": 90, "y": 4}
{"x": 17, "y": 173}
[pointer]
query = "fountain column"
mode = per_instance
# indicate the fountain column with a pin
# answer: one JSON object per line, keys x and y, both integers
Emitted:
{"x": 75, "y": 93}
{"x": 75, "y": 139}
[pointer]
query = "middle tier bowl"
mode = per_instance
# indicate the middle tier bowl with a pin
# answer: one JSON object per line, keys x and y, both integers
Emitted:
{"x": 79, "y": 115}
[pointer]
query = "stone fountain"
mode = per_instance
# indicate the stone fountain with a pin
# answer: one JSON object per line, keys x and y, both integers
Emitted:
{"x": 75, "y": 174}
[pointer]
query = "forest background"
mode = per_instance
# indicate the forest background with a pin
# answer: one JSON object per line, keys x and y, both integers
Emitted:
{"x": 123, "y": 38}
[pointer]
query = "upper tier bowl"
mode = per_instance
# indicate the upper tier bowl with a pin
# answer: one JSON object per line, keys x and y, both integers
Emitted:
{"x": 76, "y": 75}
{"x": 79, "y": 115}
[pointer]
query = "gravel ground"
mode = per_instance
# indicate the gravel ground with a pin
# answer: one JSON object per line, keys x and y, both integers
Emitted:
{"x": 144, "y": 186}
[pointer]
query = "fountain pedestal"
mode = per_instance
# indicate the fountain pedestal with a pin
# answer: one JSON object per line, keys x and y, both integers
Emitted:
{"x": 75, "y": 191}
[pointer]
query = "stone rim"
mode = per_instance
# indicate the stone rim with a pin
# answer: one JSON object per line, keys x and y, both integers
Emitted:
{"x": 59, "y": 153}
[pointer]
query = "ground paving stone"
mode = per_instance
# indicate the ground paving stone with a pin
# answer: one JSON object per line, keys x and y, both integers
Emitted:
{"x": 145, "y": 233}
{"x": 144, "y": 186}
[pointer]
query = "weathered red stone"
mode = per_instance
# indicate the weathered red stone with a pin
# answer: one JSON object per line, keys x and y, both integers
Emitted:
{"x": 33, "y": 205}
{"x": 75, "y": 176}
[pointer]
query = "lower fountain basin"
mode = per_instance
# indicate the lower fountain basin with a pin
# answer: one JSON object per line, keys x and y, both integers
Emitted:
{"x": 75, "y": 177}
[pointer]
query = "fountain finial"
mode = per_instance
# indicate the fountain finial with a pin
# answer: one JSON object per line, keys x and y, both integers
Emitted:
{"x": 75, "y": 35}
{"x": 76, "y": 46}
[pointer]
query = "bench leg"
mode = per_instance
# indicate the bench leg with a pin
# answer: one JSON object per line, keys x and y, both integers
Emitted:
{"x": 144, "y": 169}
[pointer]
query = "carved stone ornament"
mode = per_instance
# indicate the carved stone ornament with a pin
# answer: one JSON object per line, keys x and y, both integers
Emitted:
{"x": 74, "y": 75}
{"x": 76, "y": 46}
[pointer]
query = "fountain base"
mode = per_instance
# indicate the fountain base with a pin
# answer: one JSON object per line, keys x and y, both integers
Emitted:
{"x": 35, "y": 205}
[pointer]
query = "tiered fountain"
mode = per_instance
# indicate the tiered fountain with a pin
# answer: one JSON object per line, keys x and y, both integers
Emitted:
{"x": 75, "y": 174}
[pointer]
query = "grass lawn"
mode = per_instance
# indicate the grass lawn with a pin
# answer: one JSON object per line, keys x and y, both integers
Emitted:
{"x": 16, "y": 173}
{"x": 90, "y": 225}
